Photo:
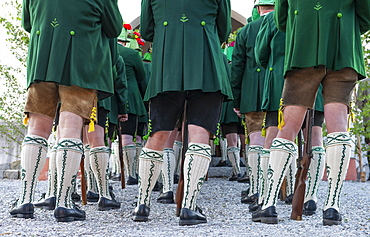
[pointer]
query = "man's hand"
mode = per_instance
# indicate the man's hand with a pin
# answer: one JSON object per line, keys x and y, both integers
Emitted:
{"x": 237, "y": 111}
{"x": 122, "y": 117}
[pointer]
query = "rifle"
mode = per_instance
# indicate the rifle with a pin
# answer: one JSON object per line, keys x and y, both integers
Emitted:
{"x": 180, "y": 186}
{"x": 359, "y": 152}
{"x": 120, "y": 154}
{"x": 83, "y": 181}
{"x": 300, "y": 189}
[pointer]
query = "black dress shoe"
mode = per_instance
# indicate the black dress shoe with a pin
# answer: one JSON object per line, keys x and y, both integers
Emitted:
{"x": 254, "y": 206}
{"x": 235, "y": 177}
{"x": 92, "y": 197}
{"x": 131, "y": 181}
{"x": 106, "y": 204}
{"x": 23, "y": 211}
{"x": 166, "y": 198}
{"x": 158, "y": 186}
{"x": 244, "y": 193}
{"x": 309, "y": 208}
{"x": 244, "y": 178}
{"x": 221, "y": 163}
{"x": 176, "y": 178}
{"x": 63, "y": 214}
{"x": 249, "y": 199}
{"x": 47, "y": 204}
{"x": 76, "y": 197}
{"x": 268, "y": 216}
{"x": 116, "y": 177}
{"x": 190, "y": 217}
{"x": 289, "y": 199}
{"x": 141, "y": 213}
{"x": 332, "y": 217}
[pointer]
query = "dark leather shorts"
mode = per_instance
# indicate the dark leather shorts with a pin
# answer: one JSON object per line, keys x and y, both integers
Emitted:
{"x": 272, "y": 119}
{"x": 228, "y": 128}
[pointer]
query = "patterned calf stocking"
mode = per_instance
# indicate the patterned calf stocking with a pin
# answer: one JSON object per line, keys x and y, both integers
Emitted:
{"x": 129, "y": 153}
{"x": 281, "y": 155}
{"x": 52, "y": 174}
{"x": 233, "y": 153}
{"x": 265, "y": 156}
{"x": 99, "y": 159}
{"x": 315, "y": 173}
{"x": 139, "y": 147}
{"x": 69, "y": 153}
{"x": 197, "y": 159}
{"x": 254, "y": 163}
{"x": 90, "y": 179}
{"x": 290, "y": 177}
{"x": 177, "y": 148}
{"x": 33, "y": 159}
{"x": 338, "y": 152}
{"x": 150, "y": 164}
{"x": 168, "y": 169}
{"x": 223, "y": 147}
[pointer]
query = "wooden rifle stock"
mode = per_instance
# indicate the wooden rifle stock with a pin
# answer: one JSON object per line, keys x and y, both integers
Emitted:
{"x": 120, "y": 154}
{"x": 180, "y": 186}
{"x": 300, "y": 189}
{"x": 83, "y": 180}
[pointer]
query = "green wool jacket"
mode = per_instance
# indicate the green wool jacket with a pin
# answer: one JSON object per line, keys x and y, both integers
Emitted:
{"x": 247, "y": 77}
{"x": 68, "y": 42}
{"x": 186, "y": 36}
{"x": 135, "y": 73}
{"x": 270, "y": 54}
{"x": 324, "y": 33}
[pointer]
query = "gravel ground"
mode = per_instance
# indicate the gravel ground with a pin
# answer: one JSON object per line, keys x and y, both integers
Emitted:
{"x": 219, "y": 199}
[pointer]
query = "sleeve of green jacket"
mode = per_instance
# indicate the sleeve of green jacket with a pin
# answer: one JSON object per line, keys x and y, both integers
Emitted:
{"x": 281, "y": 14}
{"x": 120, "y": 86}
{"x": 238, "y": 66}
{"x": 146, "y": 21}
{"x": 26, "y": 23}
{"x": 363, "y": 14}
{"x": 262, "y": 48}
{"x": 140, "y": 73}
{"x": 111, "y": 20}
{"x": 224, "y": 20}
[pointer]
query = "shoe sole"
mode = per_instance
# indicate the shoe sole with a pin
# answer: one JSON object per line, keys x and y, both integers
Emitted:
{"x": 140, "y": 218}
{"x": 191, "y": 222}
{"x": 266, "y": 220}
{"x": 92, "y": 200}
{"x": 166, "y": 201}
{"x": 25, "y": 216}
{"x": 69, "y": 219}
{"x": 331, "y": 222}
{"x": 308, "y": 213}
{"x": 107, "y": 208}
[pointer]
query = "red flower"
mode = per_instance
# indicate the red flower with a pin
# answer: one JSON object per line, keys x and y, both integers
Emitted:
{"x": 140, "y": 42}
{"x": 127, "y": 26}
{"x": 136, "y": 33}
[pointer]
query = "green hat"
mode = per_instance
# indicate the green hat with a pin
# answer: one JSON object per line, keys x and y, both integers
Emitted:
{"x": 147, "y": 57}
{"x": 255, "y": 14}
{"x": 123, "y": 36}
{"x": 265, "y": 2}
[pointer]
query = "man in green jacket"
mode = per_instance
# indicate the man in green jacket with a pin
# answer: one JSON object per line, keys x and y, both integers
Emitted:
{"x": 323, "y": 46}
{"x": 68, "y": 59}
{"x": 187, "y": 67}
{"x": 247, "y": 79}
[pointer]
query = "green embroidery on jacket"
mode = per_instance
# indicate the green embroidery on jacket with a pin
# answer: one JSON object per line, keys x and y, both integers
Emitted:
{"x": 184, "y": 18}
{"x": 54, "y": 23}
{"x": 318, "y": 6}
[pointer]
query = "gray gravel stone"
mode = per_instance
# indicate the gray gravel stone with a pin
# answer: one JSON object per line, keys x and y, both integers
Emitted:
{"x": 219, "y": 199}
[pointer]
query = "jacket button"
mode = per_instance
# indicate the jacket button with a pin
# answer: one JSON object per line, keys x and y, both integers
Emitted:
{"x": 339, "y": 15}
{"x": 165, "y": 23}
{"x": 271, "y": 69}
{"x": 37, "y": 32}
{"x": 295, "y": 12}
{"x": 203, "y": 23}
{"x": 258, "y": 70}
{"x": 72, "y": 32}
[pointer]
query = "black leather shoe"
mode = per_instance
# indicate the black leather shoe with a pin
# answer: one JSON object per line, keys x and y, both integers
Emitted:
{"x": 158, "y": 186}
{"x": 47, "y": 204}
{"x": 249, "y": 199}
{"x": 254, "y": 206}
{"x": 141, "y": 213}
{"x": 131, "y": 181}
{"x": 332, "y": 217}
{"x": 105, "y": 204}
{"x": 176, "y": 178}
{"x": 166, "y": 198}
{"x": 190, "y": 217}
{"x": 244, "y": 193}
{"x": 116, "y": 177}
{"x": 244, "y": 178}
{"x": 235, "y": 177}
{"x": 92, "y": 197}
{"x": 309, "y": 208}
{"x": 75, "y": 197}
{"x": 23, "y": 211}
{"x": 289, "y": 199}
{"x": 63, "y": 214}
{"x": 268, "y": 216}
